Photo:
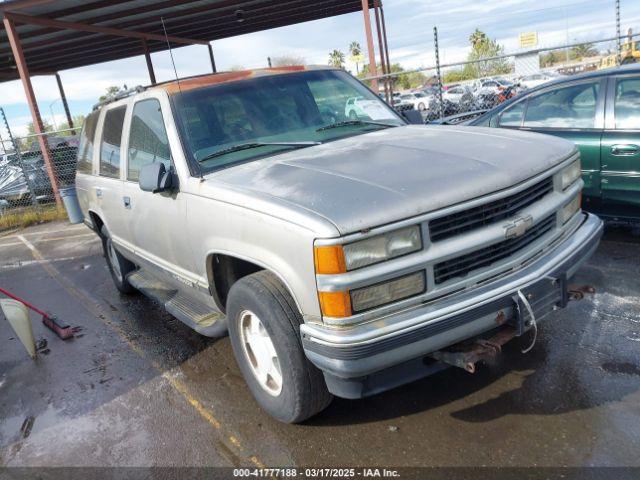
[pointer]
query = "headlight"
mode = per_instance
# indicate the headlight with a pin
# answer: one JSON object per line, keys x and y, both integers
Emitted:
{"x": 382, "y": 247}
{"x": 387, "y": 292}
{"x": 570, "y": 209}
{"x": 570, "y": 174}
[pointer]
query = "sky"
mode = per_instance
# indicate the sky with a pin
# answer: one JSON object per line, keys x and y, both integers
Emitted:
{"x": 409, "y": 29}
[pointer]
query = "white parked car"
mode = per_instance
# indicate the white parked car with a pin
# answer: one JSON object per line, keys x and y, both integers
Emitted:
{"x": 490, "y": 85}
{"x": 359, "y": 107}
{"x": 419, "y": 100}
{"x": 531, "y": 81}
{"x": 455, "y": 94}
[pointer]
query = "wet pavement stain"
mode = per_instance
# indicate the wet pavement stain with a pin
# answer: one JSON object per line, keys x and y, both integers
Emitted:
{"x": 573, "y": 400}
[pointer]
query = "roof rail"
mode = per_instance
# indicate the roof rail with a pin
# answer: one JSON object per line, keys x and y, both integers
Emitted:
{"x": 119, "y": 96}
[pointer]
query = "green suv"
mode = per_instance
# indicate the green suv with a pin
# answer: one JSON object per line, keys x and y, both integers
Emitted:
{"x": 598, "y": 111}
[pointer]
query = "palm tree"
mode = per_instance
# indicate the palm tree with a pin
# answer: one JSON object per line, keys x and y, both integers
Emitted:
{"x": 583, "y": 51}
{"x": 477, "y": 37}
{"x": 355, "y": 50}
{"x": 336, "y": 59}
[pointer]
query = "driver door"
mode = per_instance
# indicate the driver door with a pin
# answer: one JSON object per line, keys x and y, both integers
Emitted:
{"x": 156, "y": 221}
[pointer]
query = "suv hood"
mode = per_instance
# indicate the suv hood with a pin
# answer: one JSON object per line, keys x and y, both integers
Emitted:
{"x": 389, "y": 175}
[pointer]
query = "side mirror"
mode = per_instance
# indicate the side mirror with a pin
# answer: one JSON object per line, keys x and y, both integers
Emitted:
{"x": 414, "y": 117}
{"x": 155, "y": 178}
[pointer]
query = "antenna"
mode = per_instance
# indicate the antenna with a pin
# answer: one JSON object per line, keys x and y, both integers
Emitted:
{"x": 171, "y": 54}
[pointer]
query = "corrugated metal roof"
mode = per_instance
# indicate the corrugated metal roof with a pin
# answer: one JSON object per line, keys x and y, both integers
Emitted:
{"x": 49, "y": 49}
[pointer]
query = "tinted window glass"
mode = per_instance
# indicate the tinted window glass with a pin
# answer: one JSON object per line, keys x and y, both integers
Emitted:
{"x": 568, "y": 107}
{"x": 512, "y": 116}
{"x": 627, "y": 103}
{"x": 148, "y": 142}
{"x": 85, "y": 148}
{"x": 111, "y": 140}
{"x": 278, "y": 112}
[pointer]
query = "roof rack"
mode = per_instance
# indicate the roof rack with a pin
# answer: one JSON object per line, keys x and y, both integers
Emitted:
{"x": 119, "y": 96}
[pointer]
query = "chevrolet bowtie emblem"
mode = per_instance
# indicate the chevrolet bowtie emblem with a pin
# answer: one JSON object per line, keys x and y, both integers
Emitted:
{"x": 518, "y": 227}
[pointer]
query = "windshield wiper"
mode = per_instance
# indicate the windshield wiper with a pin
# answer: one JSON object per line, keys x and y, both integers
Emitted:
{"x": 354, "y": 122}
{"x": 250, "y": 145}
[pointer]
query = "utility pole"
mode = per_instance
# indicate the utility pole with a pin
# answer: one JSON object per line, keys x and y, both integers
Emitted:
{"x": 618, "y": 44}
{"x": 438, "y": 76}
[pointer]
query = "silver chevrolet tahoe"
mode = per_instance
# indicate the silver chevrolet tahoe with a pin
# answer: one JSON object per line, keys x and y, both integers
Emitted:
{"x": 344, "y": 255}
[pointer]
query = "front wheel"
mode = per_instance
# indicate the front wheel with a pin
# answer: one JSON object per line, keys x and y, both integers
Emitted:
{"x": 264, "y": 328}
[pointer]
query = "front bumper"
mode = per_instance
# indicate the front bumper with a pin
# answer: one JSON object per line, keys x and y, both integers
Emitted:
{"x": 360, "y": 361}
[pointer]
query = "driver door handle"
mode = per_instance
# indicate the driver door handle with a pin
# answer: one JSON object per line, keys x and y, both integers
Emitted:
{"x": 624, "y": 150}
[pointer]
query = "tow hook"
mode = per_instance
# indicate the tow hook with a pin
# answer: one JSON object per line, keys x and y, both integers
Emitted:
{"x": 466, "y": 355}
{"x": 577, "y": 292}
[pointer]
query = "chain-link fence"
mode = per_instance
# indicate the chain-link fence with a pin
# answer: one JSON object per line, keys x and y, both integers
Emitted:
{"x": 466, "y": 89}
{"x": 30, "y": 180}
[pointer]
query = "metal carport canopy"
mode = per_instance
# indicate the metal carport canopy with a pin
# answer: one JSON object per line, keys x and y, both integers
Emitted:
{"x": 50, "y": 44}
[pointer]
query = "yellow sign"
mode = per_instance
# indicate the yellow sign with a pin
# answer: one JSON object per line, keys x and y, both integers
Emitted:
{"x": 528, "y": 39}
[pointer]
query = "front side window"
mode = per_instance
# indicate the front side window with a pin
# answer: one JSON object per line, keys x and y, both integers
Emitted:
{"x": 85, "y": 147}
{"x": 568, "y": 107}
{"x": 627, "y": 104}
{"x": 231, "y": 123}
{"x": 512, "y": 116}
{"x": 148, "y": 141}
{"x": 111, "y": 141}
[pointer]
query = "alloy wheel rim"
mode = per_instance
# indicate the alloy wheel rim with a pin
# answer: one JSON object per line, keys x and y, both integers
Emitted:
{"x": 260, "y": 353}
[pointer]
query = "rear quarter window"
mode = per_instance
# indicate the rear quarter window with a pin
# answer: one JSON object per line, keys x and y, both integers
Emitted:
{"x": 111, "y": 141}
{"x": 87, "y": 141}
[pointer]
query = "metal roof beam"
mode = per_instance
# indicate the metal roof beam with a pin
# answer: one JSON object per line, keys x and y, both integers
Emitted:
{"x": 82, "y": 27}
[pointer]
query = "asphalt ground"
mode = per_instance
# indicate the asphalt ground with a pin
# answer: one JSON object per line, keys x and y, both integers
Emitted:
{"x": 138, "y": 388}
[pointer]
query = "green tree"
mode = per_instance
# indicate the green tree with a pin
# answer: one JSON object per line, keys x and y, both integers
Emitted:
{"x": 356, "y": 54}
{"x": 288, "y": 60}
{"x": 584, "y": 50}
{"x": 112, "y": 91}
{"x": 31, "y": 129}
{"x": 483, "y": 47}
{"x": 78, "y": 121}
{"x": 551, "y": 58}
{"x": 336, "y": 59}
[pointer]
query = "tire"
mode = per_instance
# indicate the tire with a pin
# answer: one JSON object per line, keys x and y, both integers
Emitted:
{"x": 302, "y": 390}
{"x": 119, "y": 267}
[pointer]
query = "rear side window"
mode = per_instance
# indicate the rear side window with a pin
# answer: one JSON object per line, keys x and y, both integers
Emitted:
{"x": 111, "y": 140}
{"x": 148, "y": 142}
{"x": 568, "y": 107}
{"x": 85, "y": 148}
{"x": 627, "y": 104}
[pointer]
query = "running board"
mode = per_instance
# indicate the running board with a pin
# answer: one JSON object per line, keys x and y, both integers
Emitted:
{"x": 197, "y": 315}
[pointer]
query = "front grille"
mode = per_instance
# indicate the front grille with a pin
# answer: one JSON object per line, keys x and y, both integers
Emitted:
{"x": 466, "y": 220}
{"x": 464, "y": 264}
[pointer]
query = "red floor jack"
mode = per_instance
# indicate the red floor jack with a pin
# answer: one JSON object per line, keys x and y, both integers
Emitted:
{"x": 51, "y": 321}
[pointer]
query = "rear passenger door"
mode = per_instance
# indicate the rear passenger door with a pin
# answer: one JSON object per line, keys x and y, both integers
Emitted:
{"x": 621, "y": 148}
{"x": 108, "y": 187}
{"x": 574, "y": 112}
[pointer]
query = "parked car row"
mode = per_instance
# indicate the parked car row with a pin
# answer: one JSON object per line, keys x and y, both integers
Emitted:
{"x": 25, "y": 176}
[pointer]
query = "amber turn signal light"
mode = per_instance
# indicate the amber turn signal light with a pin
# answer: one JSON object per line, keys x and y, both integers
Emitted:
{"x": 329, "y": 259}
{"x": 335, "y": 304}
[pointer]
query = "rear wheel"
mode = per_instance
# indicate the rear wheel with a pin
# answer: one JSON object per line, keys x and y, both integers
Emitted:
{"x": 264, "y": 327}
{"x": 119, "y": 267}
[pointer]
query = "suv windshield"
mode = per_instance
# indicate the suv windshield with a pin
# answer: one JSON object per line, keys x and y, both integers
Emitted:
{"x": 274, "y": 114}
